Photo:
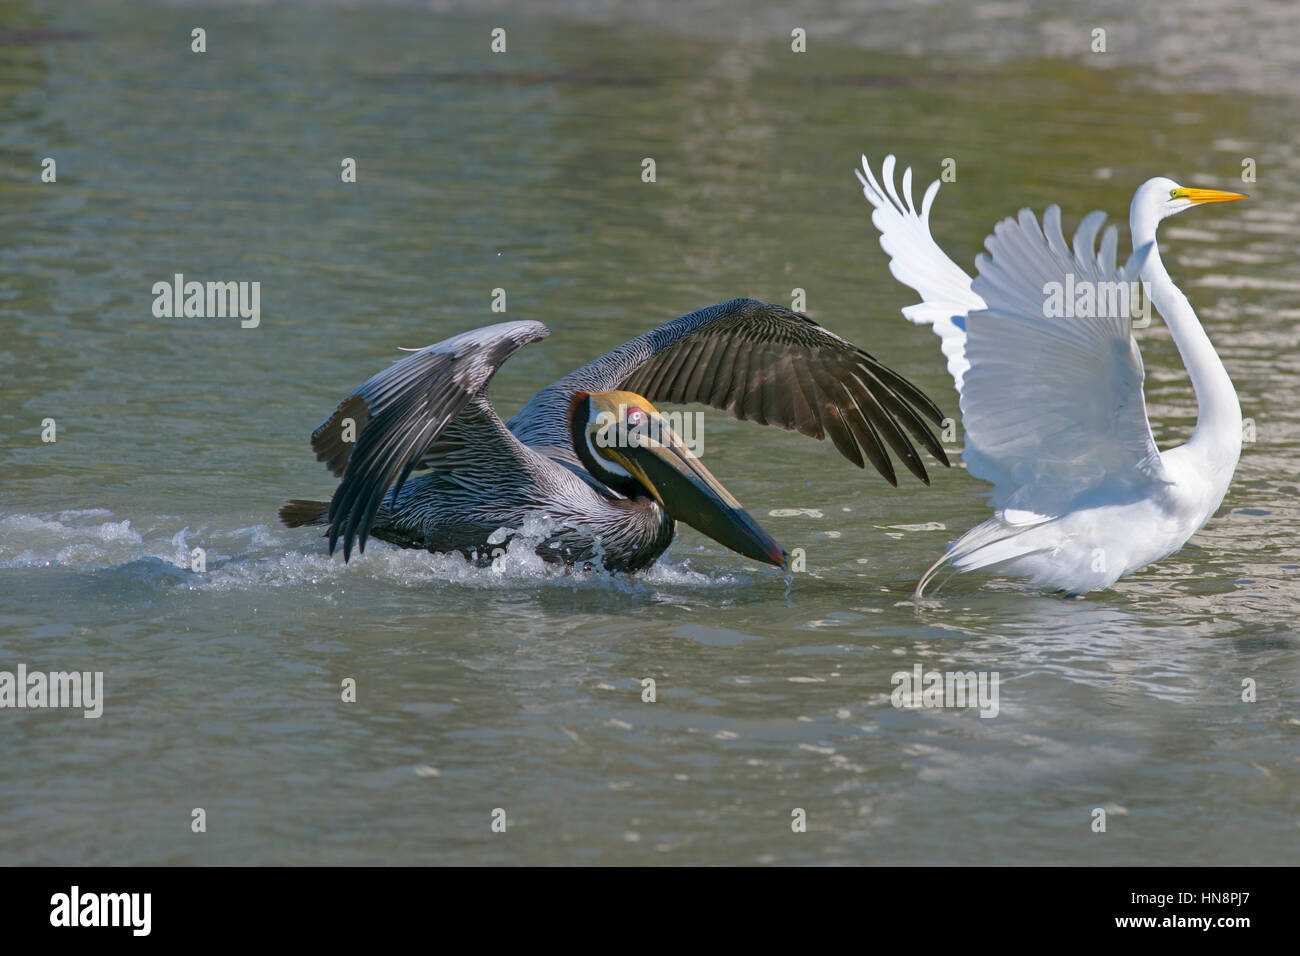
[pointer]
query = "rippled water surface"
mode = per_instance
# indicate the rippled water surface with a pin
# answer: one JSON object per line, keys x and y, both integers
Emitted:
{"x": 519, "y": 687}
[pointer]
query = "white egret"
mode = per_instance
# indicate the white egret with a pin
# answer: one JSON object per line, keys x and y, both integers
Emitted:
{"x": 1051, "y": 387}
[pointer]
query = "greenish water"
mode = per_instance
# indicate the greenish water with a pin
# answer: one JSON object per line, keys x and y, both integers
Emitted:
{"x": 519, "y": 689}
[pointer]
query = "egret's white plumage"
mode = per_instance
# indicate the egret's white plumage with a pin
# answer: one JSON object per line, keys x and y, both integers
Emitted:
{"x": 1052, "y": 405}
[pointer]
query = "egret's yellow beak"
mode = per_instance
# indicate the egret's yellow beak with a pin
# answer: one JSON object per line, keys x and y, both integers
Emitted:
{"x": 1205, "y": 195}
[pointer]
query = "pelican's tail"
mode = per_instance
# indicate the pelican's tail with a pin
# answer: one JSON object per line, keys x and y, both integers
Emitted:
{"x": 297, "y": 513}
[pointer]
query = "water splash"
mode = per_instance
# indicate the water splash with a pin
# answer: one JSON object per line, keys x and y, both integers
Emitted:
{"x": 258, "y": 556}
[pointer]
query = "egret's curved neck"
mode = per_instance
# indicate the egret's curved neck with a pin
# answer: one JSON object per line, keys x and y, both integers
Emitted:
{"x": 1217, "y": 437}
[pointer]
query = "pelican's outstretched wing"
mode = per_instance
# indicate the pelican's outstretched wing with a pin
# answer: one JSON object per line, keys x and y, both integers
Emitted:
{"x": 1052, "y": 402}
{"x": 916, "y": 260}
{"x": 761, "y": 363}
{"x": 399, "y": 415}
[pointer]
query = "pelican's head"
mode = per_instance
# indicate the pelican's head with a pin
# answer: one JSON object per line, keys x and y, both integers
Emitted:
{"x": 1160, "y": 198}
{"x": 626, "y": 443}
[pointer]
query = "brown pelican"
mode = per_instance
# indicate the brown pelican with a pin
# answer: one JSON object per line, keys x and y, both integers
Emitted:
{"x": 589, "y": 466}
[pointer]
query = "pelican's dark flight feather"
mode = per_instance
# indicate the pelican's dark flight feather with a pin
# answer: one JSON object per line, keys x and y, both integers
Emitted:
{"x": 762, "y": 363}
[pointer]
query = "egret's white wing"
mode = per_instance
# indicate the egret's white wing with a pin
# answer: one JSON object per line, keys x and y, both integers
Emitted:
{"x": 1052, "y": 404}
{"x": 916, "y": 260}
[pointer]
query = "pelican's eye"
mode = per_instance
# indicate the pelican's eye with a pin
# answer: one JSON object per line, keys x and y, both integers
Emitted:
{"x": 636, "y": 417}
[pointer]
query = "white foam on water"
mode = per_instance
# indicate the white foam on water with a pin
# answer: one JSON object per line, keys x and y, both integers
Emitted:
{"x": 260, "y": 556}
{"x": 66, "y": 539}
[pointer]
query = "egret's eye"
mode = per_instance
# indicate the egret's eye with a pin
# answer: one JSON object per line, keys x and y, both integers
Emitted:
{"x": 1173, "y": 194}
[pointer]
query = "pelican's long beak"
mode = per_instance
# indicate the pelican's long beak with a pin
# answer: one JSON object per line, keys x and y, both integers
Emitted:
{"x": 655, "y": 454}
{"x": 1206, "y": 195}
